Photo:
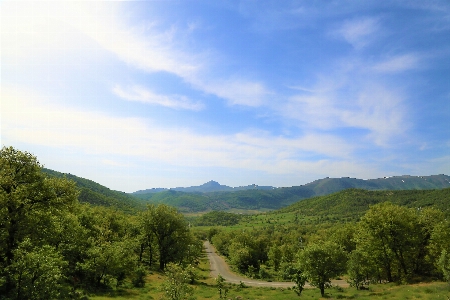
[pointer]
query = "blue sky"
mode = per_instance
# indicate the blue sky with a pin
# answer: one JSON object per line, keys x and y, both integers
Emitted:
{"x": 136, "y": 95}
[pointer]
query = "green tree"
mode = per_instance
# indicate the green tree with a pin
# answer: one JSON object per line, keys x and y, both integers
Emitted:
{"x": 109, "y": 256}
{"x": 170, "y": 231}
{"x": 321, "y": 262}
{"x": 397, "y": 238}
{"x": 176, "y": 286}
{"x": 444, "y": 264}
{"x": 221, "y": 287}
{"x": 37, "y": 273}
{"x": 360, "y": 269}
{"x": 299, "y": 278}
{"x": 32, "y": 207}
{"x": 275, "y": 257}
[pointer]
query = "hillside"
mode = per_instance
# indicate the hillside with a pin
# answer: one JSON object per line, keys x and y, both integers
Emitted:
{"x": 266, "y": 198}
{"x": 355, "y": 202}
{"x": 97, "y": 194}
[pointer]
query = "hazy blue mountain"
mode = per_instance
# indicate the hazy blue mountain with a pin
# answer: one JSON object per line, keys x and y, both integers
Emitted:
{"x": 213, "y": 196}
{"x": 210, "y": 186}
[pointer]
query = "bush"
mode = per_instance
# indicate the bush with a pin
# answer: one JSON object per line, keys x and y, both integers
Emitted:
{"x": 138, "y": 277}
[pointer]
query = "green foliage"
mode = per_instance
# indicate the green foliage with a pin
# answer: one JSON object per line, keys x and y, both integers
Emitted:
{"x": 218, "y": 218}
{"x": 299, "y": 278}
{"x": 361, "y": 269}
{"x": 353, "y": 203}
{"x": 96, "y": 194}
{"x": 221, "y": 287}
{"x": 138, "y": 277}
{"x": 321, "y": 262}
{"x": 37, "y": 273}
{"x": 176, "y": 286}
{"x": 32, "y": 208}
{"x": 397, "y": 238}
{"x": 444, "y": 264}
{"x": 170, "y": 231}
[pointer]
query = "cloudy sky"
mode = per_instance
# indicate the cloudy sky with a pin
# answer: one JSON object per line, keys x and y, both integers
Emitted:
{"x": 136, "y": 95}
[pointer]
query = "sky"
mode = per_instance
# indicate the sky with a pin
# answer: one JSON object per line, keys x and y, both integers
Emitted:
{"x": 146, "y": 94}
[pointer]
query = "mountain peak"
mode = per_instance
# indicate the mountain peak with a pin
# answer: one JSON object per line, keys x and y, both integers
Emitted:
{"x": 211, "y": 183}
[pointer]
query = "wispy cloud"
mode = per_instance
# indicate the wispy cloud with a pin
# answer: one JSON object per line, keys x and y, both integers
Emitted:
{"x": 32, "y": 119}
{"x": 147, "y": 47}
{"x": 358, "y": 32}
{"x": 236, "y": 91}
{"x": 397, "y": 64}
{"x": 144, "y": 95}
{"x": 345, "y": 99}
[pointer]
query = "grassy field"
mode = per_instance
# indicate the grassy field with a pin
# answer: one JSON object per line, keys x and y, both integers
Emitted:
{"x": 205, "y": 289}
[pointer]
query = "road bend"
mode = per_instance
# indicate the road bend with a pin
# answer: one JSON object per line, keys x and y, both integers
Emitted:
{"x": 219, "y": 266}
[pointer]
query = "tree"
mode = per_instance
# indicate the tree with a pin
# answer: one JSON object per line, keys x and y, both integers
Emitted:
{"x": 109, "y": 254}
{"x": 176, "y": 286}
{"x": 170, "y": 231}
{"x": 31, "y": 208}
{"x": 321, "y": 262}
{"x": 397, "y": 238}
{"x": 275, "y": 257}
{"x": 360, "y": 269}
{"x": 221, "y": 287}
{"x": 299, "y": 278}
{"x": 37, "y": 272}
{"x": 444, "y": 264}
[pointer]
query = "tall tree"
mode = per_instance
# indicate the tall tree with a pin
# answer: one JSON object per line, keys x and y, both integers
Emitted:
{"x": 397, "y": 237}
{"x": 30, "y": 206}
{"x": 321, "y": 262}
{"x": 170, "y": 230}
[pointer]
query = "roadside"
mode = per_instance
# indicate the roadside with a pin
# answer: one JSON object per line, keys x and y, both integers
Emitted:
{"x": 219, "y": 266}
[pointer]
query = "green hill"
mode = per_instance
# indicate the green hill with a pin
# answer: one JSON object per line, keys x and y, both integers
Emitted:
{"x": 275, "y": 198}
{"x": 355, "y": 202}
{"x": 97, "y": 194}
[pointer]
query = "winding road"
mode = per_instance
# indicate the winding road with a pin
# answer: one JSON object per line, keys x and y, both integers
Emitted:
{"x": 219, "y": 266}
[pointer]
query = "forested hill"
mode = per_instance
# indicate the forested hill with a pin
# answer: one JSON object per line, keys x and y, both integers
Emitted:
{"x": 275, "y": 198}
{"x": 353, "y": 203}
{"x": 97, "y": 194}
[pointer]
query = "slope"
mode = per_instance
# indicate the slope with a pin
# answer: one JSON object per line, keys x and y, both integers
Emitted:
{"x": 97, "y": 194}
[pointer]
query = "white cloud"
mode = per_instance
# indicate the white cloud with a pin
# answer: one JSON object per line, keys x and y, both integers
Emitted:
{"x": 27, "y": 118}
{"x": 236, "y": 92}
{"x": 397, "y": 64}
{"x": 144, "y": 95}
{"x": 52, "y": 28}
{"x": 358, "y": 32}
{"x": 345, "y": 101}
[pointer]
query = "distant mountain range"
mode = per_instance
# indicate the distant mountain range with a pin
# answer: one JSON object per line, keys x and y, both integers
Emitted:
{"x": 327, "y": 185}
{"x": 214, "y": 196}
{"x": 210, "y": 186}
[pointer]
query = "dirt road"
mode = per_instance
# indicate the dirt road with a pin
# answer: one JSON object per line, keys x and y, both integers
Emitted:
{"x": 219, "y": 266}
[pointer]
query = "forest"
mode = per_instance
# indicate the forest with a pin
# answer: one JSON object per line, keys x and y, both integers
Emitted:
{"x": 55, "y": 246}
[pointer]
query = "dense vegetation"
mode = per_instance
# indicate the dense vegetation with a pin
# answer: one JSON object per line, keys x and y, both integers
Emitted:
{"x": 355, "y": 233}
{"x": 53, "y": 247}
{"x": 218, "y": 218}
{"x": 96, "y": 194}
